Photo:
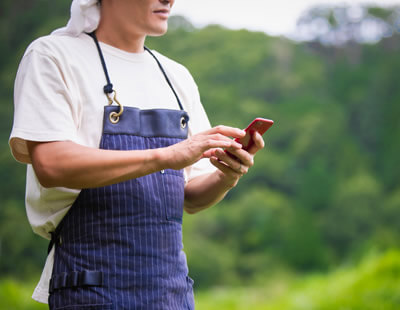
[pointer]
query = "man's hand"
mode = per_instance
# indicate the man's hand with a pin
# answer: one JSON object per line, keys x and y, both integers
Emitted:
{"x": 202, "y": 145}
{"x": 232, "y": 168}
{"x": 207, "y": 190}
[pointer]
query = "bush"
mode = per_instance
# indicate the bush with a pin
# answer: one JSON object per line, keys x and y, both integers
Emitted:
{"x": 373, "y": 285}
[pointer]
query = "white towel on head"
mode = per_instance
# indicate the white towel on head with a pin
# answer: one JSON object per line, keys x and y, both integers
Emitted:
{"x": 85, "y": 17}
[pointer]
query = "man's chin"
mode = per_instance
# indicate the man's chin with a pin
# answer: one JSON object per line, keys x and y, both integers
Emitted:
{"x": 158, "y": 32}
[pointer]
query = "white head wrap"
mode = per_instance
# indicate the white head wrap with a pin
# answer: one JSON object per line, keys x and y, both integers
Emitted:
{"x": 85, "y": 17}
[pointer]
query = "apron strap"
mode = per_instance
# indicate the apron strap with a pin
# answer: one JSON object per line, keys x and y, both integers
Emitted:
{"x": 166, "y": 76}
{"x": 108, "y": 88}
{"x": 55, "y": 238}
{"x": 75, "y": 279}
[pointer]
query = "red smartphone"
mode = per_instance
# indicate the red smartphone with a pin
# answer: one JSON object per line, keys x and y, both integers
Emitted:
{"x": 261, "y": 125}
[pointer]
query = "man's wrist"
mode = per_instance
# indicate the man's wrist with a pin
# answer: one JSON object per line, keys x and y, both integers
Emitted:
{"x": 159, "y": 159}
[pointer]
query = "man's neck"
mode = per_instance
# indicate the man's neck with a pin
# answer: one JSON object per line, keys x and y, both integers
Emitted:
{"x": 113, "y": 32}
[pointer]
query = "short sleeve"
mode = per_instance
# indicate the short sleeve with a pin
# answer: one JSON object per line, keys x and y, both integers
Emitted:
{"x": 198, "y": 122}
{"x": 43, "y": 109}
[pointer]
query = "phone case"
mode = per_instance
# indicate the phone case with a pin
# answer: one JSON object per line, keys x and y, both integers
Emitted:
{"x": 261, "y": 125}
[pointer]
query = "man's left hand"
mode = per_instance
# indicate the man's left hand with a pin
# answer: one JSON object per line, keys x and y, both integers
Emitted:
{"x": 232, "y": 168}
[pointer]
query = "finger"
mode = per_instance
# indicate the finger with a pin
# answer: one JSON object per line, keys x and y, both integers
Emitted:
{"x": 242, "y": 156}
{"x": 234, "y": 164}
{"x": 224, "y": 168}
{"x": 207, "y": 144}
{"x": 216, "y": 139}
{"x": 226, "y": 131}
{"x": 258, "y": 143}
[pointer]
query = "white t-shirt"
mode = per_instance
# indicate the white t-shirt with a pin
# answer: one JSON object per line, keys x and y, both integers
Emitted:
{"x": 59, "y": 96}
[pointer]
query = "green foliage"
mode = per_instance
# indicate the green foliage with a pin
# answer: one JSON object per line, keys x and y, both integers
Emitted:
{"x": 17, "y": 296}
{"x": 19, "y": 246}
{"x": 373, "y": 285}
{"x": 325, "y": 156}
{"x": 325, "y": 189}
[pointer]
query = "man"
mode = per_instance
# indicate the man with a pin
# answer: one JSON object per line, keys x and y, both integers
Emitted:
{"x": 108, "y": 184}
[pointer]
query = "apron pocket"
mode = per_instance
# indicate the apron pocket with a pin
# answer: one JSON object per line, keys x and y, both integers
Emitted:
{"x": 87, "y": 307}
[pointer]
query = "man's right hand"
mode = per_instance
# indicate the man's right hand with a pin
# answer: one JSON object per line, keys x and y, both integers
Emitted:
{"x": 200, "y": 146}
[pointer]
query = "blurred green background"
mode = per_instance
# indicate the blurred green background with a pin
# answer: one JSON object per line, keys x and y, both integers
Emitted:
{"x": 315, "y": 224}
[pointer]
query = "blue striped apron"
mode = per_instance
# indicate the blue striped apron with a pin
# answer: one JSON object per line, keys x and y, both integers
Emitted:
{"x": 120, "y": 246}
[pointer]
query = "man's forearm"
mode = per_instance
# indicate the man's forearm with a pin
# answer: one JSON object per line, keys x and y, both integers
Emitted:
{"x": 68, "y": 164}
{"x": 206, "y": 190}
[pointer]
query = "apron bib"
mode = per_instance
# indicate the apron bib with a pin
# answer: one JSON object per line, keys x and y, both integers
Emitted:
{"x": 120, "y": 246}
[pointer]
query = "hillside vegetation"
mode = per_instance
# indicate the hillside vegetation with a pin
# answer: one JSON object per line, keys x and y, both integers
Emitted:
{"x": 323, "y": 193}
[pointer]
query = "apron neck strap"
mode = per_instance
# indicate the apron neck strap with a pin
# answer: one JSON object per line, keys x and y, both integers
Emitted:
{"x": 108, "y": 88}
{"x": 165, "y": 76}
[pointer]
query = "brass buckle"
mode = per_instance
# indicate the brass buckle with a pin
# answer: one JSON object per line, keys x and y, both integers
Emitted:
{"x": 114, "y": 116}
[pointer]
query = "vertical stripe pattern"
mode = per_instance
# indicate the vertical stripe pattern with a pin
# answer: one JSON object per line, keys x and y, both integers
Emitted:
{"x": 132, "y": 233}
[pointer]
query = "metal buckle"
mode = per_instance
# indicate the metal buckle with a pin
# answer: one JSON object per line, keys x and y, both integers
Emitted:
{"x": 114, "y": 116}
